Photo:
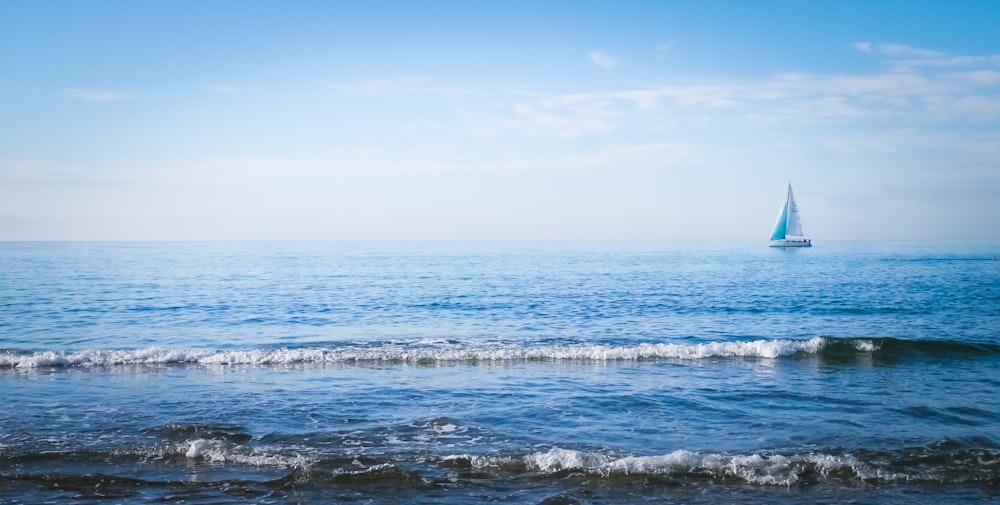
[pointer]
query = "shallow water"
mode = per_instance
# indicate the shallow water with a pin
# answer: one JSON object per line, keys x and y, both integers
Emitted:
{"x": 526, "y": 372}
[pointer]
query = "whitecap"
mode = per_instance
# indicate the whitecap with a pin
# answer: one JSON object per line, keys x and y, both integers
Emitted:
{"x": 440, "y": 352}
{"x": 754, "y": 468}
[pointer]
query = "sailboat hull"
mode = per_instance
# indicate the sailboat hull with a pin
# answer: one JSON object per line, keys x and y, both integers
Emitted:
{"x": 787, "y": 242}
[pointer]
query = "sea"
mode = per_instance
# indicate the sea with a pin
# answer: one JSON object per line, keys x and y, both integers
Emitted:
{"x": 683, "y": 371}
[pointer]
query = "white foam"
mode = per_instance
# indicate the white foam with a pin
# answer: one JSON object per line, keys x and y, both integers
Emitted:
{"x": 760, "y": 469}
{"x": 866, "y": 346}
{"x": 197, "y": 448}
{"x": 440, "y": 352}
{"x": 447, "y": 428}
{"x": 216, "y": 451}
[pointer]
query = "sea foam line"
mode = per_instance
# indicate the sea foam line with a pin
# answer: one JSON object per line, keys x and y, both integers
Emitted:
{"x": 759, "y": 469}
{"x": 401, "y": 353}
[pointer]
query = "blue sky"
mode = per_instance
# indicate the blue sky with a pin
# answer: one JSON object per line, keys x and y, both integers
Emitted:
{"x": 498, "y": 120}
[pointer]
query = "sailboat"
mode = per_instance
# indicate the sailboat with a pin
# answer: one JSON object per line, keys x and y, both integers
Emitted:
{"x": 788, "y": 228}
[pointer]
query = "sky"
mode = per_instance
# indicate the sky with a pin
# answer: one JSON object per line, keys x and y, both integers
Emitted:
{"x": 233, "y": 120}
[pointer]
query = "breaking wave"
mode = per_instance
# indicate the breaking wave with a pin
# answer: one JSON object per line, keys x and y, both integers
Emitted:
{"x": 918, "y": 465}
{"x": 420, "y": 352}
{"x": 758, "y": 469}
{"x": 417, "y": 352}
{"x": 970, "y": 465}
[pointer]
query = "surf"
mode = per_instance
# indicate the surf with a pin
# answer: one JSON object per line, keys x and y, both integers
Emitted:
{"x": 419, "y": 352}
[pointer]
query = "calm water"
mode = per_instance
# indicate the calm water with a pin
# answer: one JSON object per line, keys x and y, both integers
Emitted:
{"x": 520, "y": 372}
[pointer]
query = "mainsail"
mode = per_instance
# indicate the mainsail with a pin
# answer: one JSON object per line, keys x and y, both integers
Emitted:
{"x": 794, "y": 226}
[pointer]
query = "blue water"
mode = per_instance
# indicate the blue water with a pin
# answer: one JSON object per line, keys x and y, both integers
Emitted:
{"x": 515, "y": 372}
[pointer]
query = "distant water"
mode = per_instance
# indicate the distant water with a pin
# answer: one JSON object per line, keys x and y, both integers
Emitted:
{"x": 513, "y": 372}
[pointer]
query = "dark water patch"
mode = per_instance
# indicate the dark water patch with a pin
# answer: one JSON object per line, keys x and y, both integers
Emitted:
{"x": 358, "y": 472}
{"x": 930, "y": 414}
{"x": 73, "y": 488}
{"x": 972, "y": 412}
{"x": 559, "y": 500}
{"x": 893, "y": 350}
{"x": 181, "y": 432}
{"x": 103, "y": 488}
{"x": 935, "y": 348}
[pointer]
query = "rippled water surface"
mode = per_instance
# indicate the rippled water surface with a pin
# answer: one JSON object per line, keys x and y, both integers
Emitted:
{"x": 518, "y": 372}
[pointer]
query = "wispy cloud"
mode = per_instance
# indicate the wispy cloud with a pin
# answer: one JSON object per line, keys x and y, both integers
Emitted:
{"x": 94, "y": 95}
{"x": 903, "y": 58}
{"x": 397, "y": 87}
{"x": 983, "y": 77}
{"x": 904, "y": 51}
{"x": 922, "y": 85}
{"x": 915, "y": 86}
{"x": 602, "y": 60}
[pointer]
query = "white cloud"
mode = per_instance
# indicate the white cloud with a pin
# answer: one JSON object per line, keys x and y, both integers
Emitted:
{"x": 984, "y": 77}
{"x": 905, "y": 58}
{"x": 890, "y": 84}
{"x": 904, "y": 51}
{"x": 708, "y": 95}
{"x": 603, "y": 60}
{"x": 918, "y": 86}
{"x": 903, "y": 92}
{"x": 94, "y": 95}
{"x": 978, "y": 107}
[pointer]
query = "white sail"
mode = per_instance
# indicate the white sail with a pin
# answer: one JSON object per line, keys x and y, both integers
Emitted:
{"x": 794, "y": 224}
{"x": 788, "y": 227}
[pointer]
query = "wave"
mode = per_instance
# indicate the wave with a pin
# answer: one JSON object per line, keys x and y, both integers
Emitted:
{"x": 758, "y": 469}
{"x": 413, "y": 352}
{"x": 919, "y": 465}
{"x": 420, "y": 352}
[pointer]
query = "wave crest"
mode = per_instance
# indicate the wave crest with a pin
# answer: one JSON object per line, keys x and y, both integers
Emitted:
{"x": 761, "y": 469}
{"x": 413, "y": 353}
{"x": 443, "y": 352}
{"x": 755, "y": 468}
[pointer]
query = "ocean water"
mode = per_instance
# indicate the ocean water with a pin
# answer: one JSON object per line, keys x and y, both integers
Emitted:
{"x": 513, "y": 372}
